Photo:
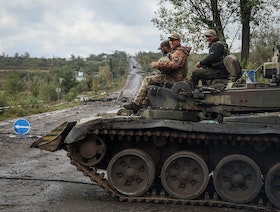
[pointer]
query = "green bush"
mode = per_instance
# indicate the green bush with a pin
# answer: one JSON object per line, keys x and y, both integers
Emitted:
{"x": 3, "y": 99}
{"x": 48, "y": 93}
{"x": 71, "y": 95}
{"x": 28, "y": 100}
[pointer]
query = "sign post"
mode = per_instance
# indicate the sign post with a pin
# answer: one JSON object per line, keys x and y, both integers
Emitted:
{"x": 58, "y": 90}
{"x": 21, "y": 126}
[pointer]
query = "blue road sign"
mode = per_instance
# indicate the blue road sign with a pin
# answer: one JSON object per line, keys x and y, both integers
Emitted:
{"x": 21, "y": 126}
{"x": 249, "y": 75}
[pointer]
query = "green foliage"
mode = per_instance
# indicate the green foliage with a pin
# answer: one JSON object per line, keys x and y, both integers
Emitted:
{"x": 28, "y": 100}
{"x": 47, "y": 92}
{"x": 262, "y": 47}
{"x": 145, "y": 59}
{"x": 71, "y": 95}
{"x": 35, "y": 86}
{"x": 118, "y": 64}
{"x": 3, "y": 99}
{"x": 32, "y": 109}
{"x": 95, "y": 85}
{"x": 14, "y": 83}
{"x": 248, "y": 66}
{"x": 65, "y": 78}
{"x": 34, "y": 80}
{"x": 23, "y": 62}
{"x": 14, "y": 112}
{"x": 82, "y": 86}
{"x": 105, "y": 76}
{"x": 191, "y": 18}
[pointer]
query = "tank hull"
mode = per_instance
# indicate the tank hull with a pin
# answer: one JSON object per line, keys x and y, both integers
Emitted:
{"x": 211, "y": 148}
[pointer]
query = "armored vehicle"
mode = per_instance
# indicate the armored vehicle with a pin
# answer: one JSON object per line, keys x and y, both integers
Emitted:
{"x": 215, "y": 145}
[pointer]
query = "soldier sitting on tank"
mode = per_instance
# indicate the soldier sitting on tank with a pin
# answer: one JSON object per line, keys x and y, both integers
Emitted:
{"x": 165, "y": 50}
{"x": 171, "y": 71}
{"x": 212, "y": 66}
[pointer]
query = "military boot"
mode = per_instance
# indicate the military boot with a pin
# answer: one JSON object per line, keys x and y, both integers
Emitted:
{"x": 132, "y": 106}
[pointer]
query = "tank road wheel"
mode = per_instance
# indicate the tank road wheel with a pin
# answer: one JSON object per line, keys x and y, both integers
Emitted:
{"x": 131, "y": 172}
{"x": 184, "y": 175}
{"x": 237, "y": 179}
{"x": 90, "y": 151}
{"x": 272, "y": 185}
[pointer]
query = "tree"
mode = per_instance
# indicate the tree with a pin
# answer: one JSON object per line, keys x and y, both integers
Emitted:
{"x": 47, "y": 92}
{"x": 106, "y": 75}
{"x": 258, "y": 15}
{"x": 118, "y": 64}
{"x": 191, "y": 17}
{"x": 262, "y": 47}
{"x": 95, "y": 83}
{"x": 26, "y": 55}
{"x": 65, "y": 78}
{"x": 35, "y": 86}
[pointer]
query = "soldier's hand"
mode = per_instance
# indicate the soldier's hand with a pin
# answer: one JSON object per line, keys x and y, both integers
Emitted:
{"x": 198, "y": 65}
{"x": 154, "y": 64}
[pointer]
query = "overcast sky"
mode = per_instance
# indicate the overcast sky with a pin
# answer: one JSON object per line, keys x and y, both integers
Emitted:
{"x": 61, "y": 28}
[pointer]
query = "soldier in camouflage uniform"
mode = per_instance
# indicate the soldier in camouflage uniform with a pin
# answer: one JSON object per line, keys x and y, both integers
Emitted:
{"x": 165, "y": 49}
{"x": 171, "y": 71}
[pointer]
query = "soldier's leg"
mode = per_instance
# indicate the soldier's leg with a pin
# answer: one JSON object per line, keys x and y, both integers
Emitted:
{"x": 203, "y": 74}
{"x": 150, "y": 80}
{"x": 142, "y": 92}
{"x": 195, "y": 77}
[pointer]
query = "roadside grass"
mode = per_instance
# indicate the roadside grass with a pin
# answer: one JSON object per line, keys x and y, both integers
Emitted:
{"x": 21, "y": 105}
{"x": 27, "y": 110}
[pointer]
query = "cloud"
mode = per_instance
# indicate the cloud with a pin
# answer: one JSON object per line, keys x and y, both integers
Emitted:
{"x": 61, "y": 28}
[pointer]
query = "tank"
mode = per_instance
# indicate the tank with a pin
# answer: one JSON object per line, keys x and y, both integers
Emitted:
{"x": 215, "y": 145}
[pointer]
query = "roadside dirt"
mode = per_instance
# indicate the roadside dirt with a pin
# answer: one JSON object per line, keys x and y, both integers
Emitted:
{"x": 41, "y": 181}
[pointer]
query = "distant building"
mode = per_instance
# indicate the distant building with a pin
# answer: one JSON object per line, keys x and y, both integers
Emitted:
{"x": 80, "y": 76}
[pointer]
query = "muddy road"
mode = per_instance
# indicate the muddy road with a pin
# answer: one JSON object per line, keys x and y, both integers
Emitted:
{"x": 41, "y": 181}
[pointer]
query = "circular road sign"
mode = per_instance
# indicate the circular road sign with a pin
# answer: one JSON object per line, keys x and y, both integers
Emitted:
{"x": 21, "y": 126}
{"x": 58, "y": 90}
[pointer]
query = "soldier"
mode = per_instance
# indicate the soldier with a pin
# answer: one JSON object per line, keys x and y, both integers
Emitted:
{"x": 212, "y": 66}
{"x": 171, "y": 71}
{"x": 165, "y": 49}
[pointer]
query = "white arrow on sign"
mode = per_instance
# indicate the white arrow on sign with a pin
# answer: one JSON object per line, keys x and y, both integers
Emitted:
{"x": 23, "y": 127}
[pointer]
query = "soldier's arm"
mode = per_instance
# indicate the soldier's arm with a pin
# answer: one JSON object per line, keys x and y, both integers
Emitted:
{"x": 178, "y": 59}
{"x": 215, "y": 53}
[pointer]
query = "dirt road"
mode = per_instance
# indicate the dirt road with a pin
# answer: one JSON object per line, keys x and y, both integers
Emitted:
{"x": 41, "y": 181}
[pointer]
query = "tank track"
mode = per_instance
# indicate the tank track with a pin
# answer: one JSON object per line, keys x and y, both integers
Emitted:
{"x": 160, "y": 197}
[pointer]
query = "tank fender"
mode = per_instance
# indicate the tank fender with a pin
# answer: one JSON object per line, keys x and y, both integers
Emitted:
{"x": 54, "y": 139}
{"x": 80, "y": 130}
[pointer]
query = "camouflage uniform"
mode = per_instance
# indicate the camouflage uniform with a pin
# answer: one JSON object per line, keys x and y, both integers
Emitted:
{"x": 171, "y": 71}
{"x": 164, "y": 58}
